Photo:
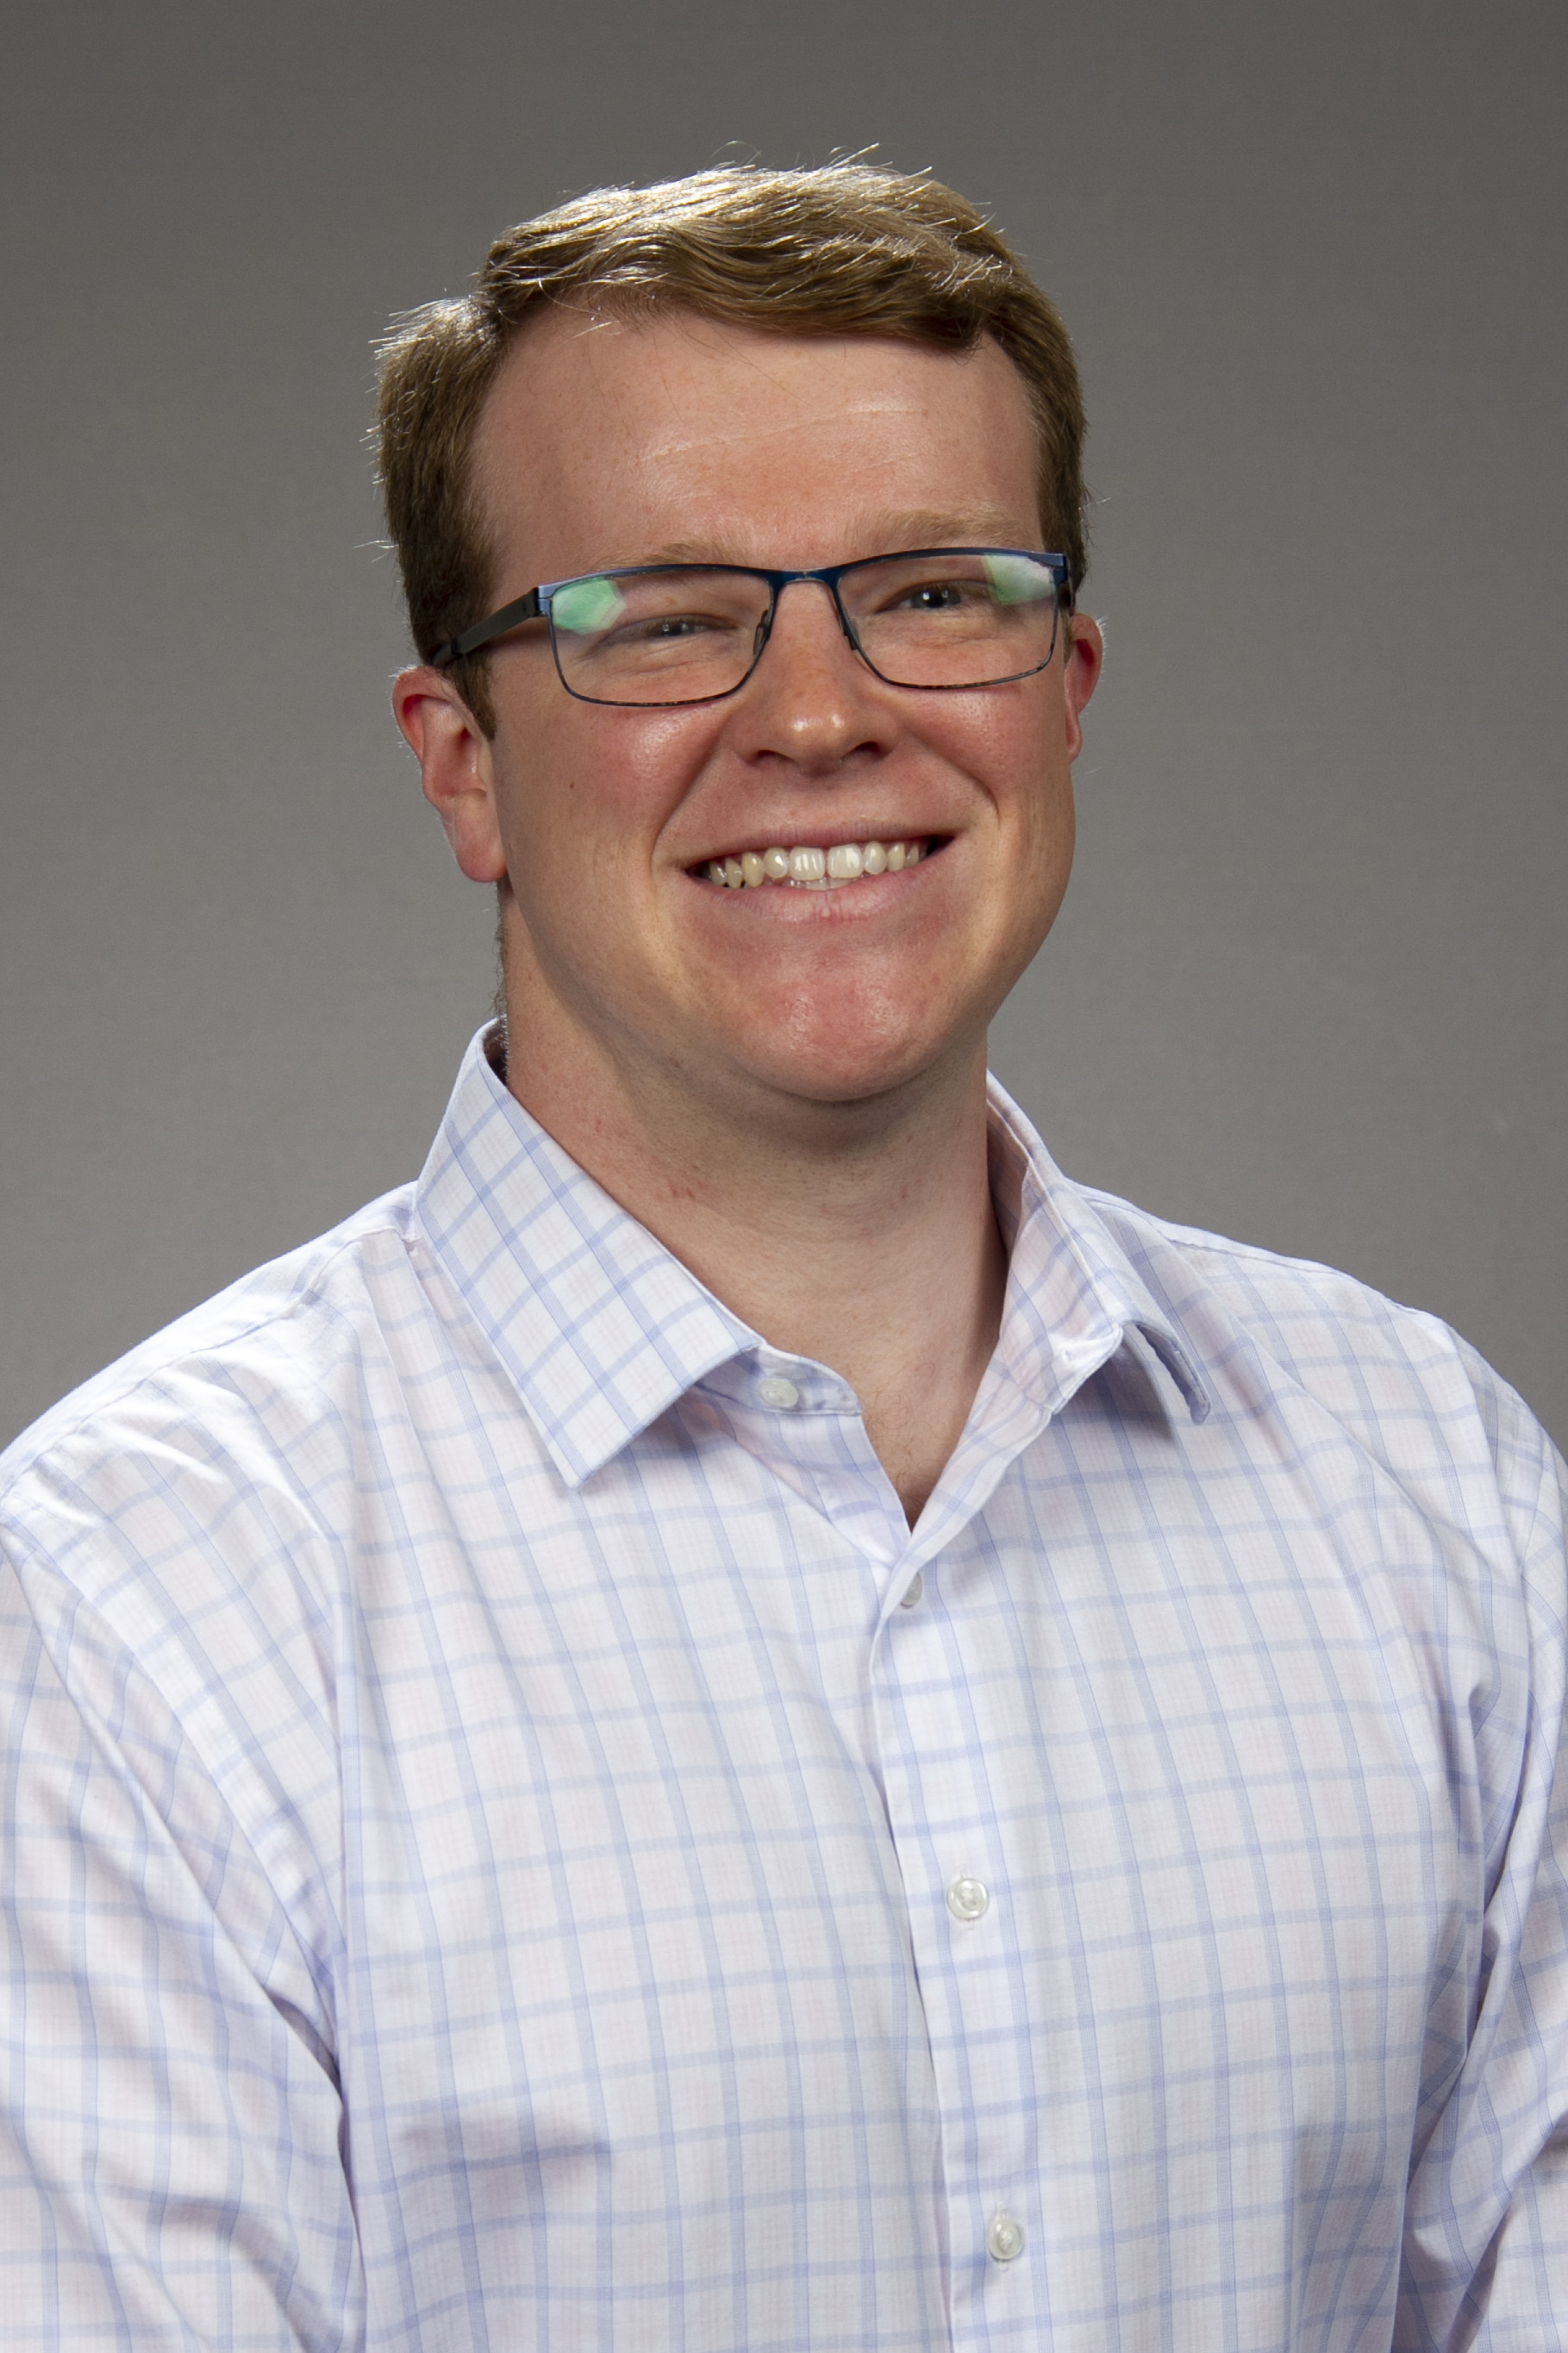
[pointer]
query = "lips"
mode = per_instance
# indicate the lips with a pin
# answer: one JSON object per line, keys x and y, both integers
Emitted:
{"x": 807, "y": 867}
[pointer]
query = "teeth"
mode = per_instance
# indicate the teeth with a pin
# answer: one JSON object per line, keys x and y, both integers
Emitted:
{"x": 809, "y": 869}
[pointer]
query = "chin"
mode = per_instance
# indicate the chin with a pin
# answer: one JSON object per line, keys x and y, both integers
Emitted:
{"x": 836, "y": 1079}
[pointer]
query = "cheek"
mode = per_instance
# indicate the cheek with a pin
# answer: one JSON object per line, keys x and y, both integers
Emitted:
{"x": 1012, "y": 744}
{"x": 594, "y": 775}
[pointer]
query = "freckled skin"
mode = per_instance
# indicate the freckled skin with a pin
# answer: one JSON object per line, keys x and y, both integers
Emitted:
{"x": 609, "y": 444}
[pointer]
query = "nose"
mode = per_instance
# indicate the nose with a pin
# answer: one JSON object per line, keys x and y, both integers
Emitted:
{"x": 811, "y": 699}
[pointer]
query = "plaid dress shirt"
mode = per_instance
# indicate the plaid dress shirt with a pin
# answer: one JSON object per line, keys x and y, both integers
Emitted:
{"x": 511, "y": 1841}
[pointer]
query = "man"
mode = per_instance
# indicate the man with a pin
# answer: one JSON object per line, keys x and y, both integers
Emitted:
{"x": 744, "y": 1719}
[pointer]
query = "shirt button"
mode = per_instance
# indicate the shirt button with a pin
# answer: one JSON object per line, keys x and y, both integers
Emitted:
{"x": 1003, "y": 2239}
{"x": 776, "y": 1390}
{"x": 966, "y": 1900}
{"x": 912, "y": 1592}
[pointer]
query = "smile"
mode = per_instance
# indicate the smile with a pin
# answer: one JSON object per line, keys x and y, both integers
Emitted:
{"x": 805, "y": 867}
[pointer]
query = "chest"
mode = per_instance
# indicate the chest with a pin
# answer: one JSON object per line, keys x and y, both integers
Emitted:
{"x": 647, "y": 1792}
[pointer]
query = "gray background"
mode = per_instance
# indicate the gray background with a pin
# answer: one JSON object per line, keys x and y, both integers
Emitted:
{"x": 1309, "y": 984}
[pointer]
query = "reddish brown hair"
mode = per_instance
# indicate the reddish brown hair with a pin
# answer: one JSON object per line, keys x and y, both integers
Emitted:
{"x": 847, "y": 249}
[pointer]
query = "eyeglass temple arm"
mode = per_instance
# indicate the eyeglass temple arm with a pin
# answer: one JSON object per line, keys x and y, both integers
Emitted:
{"x": 469, "y": 641}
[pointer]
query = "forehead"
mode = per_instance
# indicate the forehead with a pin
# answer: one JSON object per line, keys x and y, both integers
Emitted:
{"x": 608, "y": 441}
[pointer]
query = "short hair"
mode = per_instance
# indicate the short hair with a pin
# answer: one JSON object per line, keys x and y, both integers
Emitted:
{"x": 845, "y": 250}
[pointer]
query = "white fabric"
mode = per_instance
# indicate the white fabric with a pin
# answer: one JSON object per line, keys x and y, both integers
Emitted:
{"x": 489, "y": 1862}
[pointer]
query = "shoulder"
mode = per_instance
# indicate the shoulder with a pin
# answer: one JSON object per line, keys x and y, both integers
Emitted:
{"x": 259, "y": 1386}
{"x": 1308, "y": 1350}
{"x": 177, "y": 1551}
{"x": 1214, "y": 1284}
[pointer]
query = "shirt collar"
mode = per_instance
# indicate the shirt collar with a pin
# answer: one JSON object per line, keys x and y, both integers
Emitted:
{"x": 1073, "y": 1294}
{"x": 602, "y": 1329}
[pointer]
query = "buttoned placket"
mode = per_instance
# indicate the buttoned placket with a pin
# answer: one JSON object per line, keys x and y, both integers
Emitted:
{"x": 929, "y": 1695}
{"x": 804, "y": 1422}
{"x": 960, "y": 1920}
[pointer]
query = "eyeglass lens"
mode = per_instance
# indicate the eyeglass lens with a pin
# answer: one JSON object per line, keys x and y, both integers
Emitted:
{"x": 956, "y": 619}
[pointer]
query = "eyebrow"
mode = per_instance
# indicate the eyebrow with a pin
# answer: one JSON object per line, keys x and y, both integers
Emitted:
{"x": 885, "y": 535}
{"x": 985, "y": 526}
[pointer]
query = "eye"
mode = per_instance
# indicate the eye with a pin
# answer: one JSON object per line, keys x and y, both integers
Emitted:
{"x": 663, "y": 627}
{"x": 936, "y": 597}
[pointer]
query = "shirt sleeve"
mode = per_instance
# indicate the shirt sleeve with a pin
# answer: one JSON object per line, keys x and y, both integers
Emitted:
{"x": 1486, "y": 2242}
{"x": 171, "y": 2131}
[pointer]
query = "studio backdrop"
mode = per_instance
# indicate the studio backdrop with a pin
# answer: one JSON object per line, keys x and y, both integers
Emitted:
{"x": 1309, "y": 987}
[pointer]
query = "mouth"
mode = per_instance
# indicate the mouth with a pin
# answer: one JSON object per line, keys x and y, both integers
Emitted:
{"x": 806, "y": 867}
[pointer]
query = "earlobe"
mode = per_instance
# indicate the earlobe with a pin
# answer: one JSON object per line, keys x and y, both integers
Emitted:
{"x": 1085, "y": 658}
{"x": 456, "y": 768}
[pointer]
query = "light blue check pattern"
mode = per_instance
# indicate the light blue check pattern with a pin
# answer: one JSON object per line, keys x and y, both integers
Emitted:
{"x": 482, "y": 1817}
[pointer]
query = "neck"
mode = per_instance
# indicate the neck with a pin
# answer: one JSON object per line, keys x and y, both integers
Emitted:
{"x": 860, "y": 1235}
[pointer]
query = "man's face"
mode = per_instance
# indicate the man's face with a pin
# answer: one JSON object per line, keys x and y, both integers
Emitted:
{"x": 611, "y": 444}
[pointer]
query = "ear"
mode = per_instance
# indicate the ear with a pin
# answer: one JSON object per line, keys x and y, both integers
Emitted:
{"x": 457, "y": 768}
{"x": 1084, "y": 658}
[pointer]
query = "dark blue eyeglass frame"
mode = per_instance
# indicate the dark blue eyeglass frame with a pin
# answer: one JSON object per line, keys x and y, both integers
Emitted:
{"x": 535, "y": 606}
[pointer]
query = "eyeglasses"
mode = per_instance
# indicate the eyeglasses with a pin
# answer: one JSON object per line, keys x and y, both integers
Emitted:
{"x": 660, "y": 634}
